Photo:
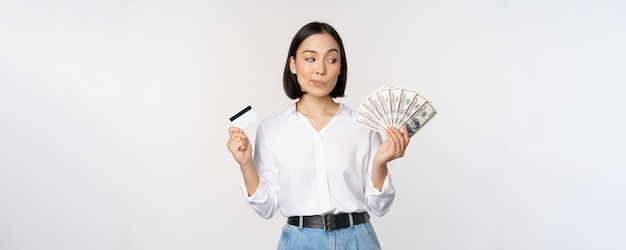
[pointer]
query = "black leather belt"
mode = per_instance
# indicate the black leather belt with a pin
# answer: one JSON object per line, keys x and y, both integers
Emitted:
{"x": 329, "y": 222}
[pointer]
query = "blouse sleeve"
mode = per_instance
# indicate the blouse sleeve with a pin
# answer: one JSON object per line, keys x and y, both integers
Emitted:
{"x": 264, "y": 201}
{"x": 378, "y": 202}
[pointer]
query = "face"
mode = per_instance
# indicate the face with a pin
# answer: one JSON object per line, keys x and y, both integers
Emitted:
{"x": 414, "y": 123}
{"x": 317, "y": 65}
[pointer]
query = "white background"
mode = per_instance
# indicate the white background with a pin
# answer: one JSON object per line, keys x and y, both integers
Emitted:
{"x": 114, "y": 119}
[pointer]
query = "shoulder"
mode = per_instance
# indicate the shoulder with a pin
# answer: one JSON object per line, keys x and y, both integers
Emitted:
{"x": 347, "y": 110}
{"x": 350, "y": 117}
{"x": 279, "y": 117}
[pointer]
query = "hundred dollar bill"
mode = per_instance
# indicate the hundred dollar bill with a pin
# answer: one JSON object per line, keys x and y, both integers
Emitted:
{"x": 368, "y": 118}
{"x": 418, "y": 119}
{"x": 384, "y": 100}
{"x": 363, "y": 120}
{"x": 413, "y": 101}
{"x": 395, "y": 94}
{"x": 376, "y": 107}
{"x": 406, "y": 98}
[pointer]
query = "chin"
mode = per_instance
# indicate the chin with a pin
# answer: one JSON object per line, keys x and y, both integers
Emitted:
{"x": 318, "y": 93}
{"x": 322, "y": 92}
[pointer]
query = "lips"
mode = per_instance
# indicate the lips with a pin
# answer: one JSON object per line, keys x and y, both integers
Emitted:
{"x": 317, "y": 83}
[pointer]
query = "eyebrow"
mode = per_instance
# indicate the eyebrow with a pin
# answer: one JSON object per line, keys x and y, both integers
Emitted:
{"x": 313, "y": 51}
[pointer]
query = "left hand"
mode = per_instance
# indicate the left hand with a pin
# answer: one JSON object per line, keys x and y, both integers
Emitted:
{"x": 393, "y": 147}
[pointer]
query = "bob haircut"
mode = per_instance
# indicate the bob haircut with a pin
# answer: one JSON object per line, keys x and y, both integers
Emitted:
{"x": 290, "y": 80}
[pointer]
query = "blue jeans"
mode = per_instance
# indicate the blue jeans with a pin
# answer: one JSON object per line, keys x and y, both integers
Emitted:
{"x": 361, "y": 237}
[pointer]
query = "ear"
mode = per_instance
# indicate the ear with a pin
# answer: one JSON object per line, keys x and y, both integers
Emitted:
{"x": 292, "y": 65}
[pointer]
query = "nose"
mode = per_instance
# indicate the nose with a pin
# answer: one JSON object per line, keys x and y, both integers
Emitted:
{"x": 321, "y": 69}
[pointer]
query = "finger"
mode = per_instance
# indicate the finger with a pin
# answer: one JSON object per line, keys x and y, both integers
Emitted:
{"x": 234, "y": 130}
{"x": 243, "y": 147}
{"x": 393, "y": 139}
{"x": 233, "y": 138}
{"x": 234, "y": 145}
{"x": 394, "y": 133}
{"x": 238, "y": 142}
{"x": 237, "y": 135}
{"x": 401, "y": 141}
{"x": 405, "y": 133}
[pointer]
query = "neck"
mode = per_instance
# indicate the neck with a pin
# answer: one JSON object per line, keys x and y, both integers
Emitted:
{"x": 316, "y": 105}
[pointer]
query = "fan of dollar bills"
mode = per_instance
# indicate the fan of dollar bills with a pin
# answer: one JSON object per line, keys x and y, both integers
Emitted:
{"x": 395, "y": 106}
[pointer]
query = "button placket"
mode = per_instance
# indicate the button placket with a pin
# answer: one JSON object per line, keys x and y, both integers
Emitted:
{"x": 322, "y": 175}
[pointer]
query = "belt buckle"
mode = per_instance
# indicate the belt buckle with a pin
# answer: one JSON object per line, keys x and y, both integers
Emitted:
{"x": 329, "y": 221}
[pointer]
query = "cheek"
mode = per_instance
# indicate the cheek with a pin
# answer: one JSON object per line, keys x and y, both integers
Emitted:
{"x": 302, "y": 70}
{"x": 335, "y": 70}
{"x": 301, "y": 79}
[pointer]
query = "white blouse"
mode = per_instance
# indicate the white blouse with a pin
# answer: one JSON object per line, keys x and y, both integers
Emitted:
{"x": 308, "y": 172}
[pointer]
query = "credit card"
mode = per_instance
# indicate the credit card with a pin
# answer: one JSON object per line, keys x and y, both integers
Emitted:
{"x": 244, "y": 117}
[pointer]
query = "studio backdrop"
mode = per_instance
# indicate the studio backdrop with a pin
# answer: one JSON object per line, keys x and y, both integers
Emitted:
{"x": 115, "y": 117}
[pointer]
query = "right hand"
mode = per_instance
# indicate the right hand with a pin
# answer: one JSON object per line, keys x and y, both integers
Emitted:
{"x": 239, "y": 146}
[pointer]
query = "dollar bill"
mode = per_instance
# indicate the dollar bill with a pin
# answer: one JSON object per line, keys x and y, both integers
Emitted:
{"x": 417, "y": 120}
{"x": 395, "y": 94}
{"x": 373, "y": 103}
{"x": 397, "y": 107}
{"x": 367, "y": 116}
{"x": 415, "y": 102}
{"x": 367, "y": 122}
{"x": 384, "y": 100}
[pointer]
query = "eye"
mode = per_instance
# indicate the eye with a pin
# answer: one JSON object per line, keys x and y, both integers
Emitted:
{"x": 332, "y": 60}
{"x": 310, "y": 59}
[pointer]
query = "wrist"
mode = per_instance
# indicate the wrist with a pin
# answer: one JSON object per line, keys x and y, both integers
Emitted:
{"x": 246, "y": 167}
{"x": 378, "y": 164}
{"x": 379, "y": 173}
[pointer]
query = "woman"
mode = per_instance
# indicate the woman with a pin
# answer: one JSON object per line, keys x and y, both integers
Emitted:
{"x": 312, "y": 161}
